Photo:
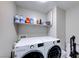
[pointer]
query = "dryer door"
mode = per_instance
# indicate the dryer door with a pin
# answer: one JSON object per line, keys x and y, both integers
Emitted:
{"x": 54, "y": 52}
{"x": 33, "y": 55}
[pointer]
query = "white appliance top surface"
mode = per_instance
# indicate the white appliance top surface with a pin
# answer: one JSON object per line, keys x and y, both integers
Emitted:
{"x": 34, "y": 40}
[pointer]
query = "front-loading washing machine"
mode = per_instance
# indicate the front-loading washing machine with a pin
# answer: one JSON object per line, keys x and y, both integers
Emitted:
{"x": 52, "y": 48}
{"x": 29, "y": 48}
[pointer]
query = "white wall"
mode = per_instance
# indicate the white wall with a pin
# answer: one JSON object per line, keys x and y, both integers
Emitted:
{"x": 72, "y": 26}
{"x": 61, "y": 27}
{"x": 7, "y": 30}
{"x": 34, "y": 30}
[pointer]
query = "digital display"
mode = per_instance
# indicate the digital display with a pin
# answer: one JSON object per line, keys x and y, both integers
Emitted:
{"x": 58, "y": 41}
{"x": 41, "y": 44}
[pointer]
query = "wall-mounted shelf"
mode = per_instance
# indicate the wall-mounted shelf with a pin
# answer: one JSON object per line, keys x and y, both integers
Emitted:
{"x": 33, "y": 24}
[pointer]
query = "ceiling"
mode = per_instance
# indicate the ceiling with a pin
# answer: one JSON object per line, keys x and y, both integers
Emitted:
{"x": 45, "y": 7}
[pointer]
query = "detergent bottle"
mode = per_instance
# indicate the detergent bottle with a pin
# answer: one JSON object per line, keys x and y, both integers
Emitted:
{"x": 27, "y": 20}
{"x": 31, "y": 20}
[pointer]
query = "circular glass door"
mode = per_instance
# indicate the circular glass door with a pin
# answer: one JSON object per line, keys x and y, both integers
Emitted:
{"x": 33, "y": 55}
{"x": 54, "y": 52}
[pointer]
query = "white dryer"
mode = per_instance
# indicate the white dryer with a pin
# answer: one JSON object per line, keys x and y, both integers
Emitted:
{"x": 52, "y": 47}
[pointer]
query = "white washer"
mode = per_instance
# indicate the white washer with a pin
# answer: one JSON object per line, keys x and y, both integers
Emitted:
{"x": 37, "y": 47}
{"x": 52, "y": 48}
{"x": 29, "y": 47}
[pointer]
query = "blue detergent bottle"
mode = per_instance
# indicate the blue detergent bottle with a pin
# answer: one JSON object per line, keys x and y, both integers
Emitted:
{"x": 22, "y": 19}
{"x": 31, "y": 21}
{"x": 16, "y": 19}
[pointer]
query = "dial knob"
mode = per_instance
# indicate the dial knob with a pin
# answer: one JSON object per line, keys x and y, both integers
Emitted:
{"x": 32, "y": 46}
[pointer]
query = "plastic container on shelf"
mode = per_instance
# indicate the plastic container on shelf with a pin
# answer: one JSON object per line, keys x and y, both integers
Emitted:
{"x": 27, "y": 20}
{"x": 47, "y": 22}
{"x": 40, "y": 21}
{"x": 31, "y": 21}
{"x": 35, "y": 20}
{"x": 16, "y": 19}
{"x": 22, "y": 19}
